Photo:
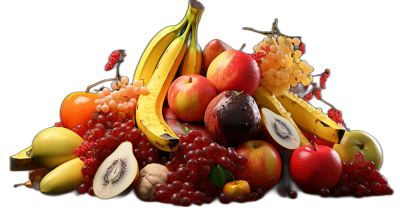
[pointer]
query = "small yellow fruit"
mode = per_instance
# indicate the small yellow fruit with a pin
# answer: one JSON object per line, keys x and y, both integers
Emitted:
{"x": 64, "y": 178}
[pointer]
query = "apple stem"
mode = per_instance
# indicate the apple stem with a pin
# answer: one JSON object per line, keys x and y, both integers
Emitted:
{"x": 241, "y": 48}
{"x": 361, "y": 146}
{"x": 308, "y": 136}
{"x": 190, "y": 79}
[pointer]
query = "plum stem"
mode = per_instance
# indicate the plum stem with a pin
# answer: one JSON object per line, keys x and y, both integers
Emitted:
{"x": 237, "y": 94}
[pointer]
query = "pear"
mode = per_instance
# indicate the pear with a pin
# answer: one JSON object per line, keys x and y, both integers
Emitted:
{"x": 54, "y": 146}
{"x": 65, "y": 178}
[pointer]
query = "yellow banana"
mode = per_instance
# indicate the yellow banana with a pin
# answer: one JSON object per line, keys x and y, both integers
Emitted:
{"x": 192, "y": 61}
{"x": 264, "y": 98}
{"x": 156, "y": 48}
{"x": 22, "y": 161}
{"x": 309, "y": 119}
{"x": 149, "y": 107}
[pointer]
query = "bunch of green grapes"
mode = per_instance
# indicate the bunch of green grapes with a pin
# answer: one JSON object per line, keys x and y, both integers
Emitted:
{"x": 281, "y": 66}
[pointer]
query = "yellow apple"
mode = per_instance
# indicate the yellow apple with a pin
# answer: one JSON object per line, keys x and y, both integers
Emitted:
{"x": 359, "y": 141}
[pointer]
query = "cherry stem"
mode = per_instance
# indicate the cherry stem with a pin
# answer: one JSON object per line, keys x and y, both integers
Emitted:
{"x": 241, "y": 48}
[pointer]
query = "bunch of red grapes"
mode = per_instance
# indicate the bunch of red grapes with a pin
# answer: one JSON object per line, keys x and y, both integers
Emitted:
{"x": 187, "y": 179}
{"x": 359, "y": 178}
{"x": 106, "y": 132}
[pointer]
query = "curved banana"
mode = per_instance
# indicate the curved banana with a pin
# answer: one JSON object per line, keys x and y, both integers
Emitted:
{"x": 310, "y": 119}
{"x": 264, "y": 98}
{"x": 21, "y": 161}
{"x": 156, "y": 48}
{"x": 149, "y": 107}
{"x": 192, "y": 60}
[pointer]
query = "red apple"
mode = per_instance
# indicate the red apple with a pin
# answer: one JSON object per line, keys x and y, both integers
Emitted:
{"x": 172, "y": 121}
{"x": 263, "y": 167}
{"x": 312, "y": 169}
{"x": 189, "y": 96}
{"x": 211, "y": 51}
{"x": 235, "y": 70}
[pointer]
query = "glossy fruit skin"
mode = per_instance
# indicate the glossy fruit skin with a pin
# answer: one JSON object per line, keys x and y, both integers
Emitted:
{"x": 64, "y": 178}
{"x": 235, "y": 70}
{"x": 77, "y": 109}
{"x": 236, "y": 188}
{"x": 351, "y": 144}
{"x": 313, "y": 170}
{"x": 264, "y": 163}
{"x": 189, "y": 96}
{"x": 211, "y": 51}
{"x": 232, "y": 118}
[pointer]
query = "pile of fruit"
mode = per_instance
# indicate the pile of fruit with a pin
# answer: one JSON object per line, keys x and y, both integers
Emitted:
{"x": 197, "y": 125}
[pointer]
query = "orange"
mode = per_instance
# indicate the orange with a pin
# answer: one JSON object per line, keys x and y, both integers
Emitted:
{"x": 77, "y": 109}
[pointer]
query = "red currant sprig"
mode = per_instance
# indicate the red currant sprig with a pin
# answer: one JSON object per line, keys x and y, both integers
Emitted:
{"x": 302, "y": 48}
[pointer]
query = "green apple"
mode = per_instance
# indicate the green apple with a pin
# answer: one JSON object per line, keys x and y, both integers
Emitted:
{"x": 359, "y": 141}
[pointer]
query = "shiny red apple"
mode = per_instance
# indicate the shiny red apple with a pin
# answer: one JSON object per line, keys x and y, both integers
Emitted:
{"x": 235, "y": 70}
{"x": 315, "y": 168}
{"x": 211, "y": 51}
{"x": 189, "y": 96}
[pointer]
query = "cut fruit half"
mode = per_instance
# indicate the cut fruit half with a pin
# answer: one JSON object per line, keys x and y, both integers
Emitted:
{"x": 116, "y": 173}
{"x": 278, "y": 131}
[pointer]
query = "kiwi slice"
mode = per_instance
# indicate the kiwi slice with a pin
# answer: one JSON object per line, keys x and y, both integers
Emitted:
{"x": 116, "y": 173}
{"x": 281, "y": 130}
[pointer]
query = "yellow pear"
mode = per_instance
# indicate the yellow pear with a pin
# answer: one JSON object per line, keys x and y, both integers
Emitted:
{"x": 54, "y": 146}
{"x": 65, "y": 178}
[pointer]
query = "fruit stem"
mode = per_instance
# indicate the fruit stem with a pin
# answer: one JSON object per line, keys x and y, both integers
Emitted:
{"x": 190, "y": 79}
{"x": 327, "y": 103}
{"x": 275, "y": 28}
{"x": 361, "y": 146}
{"x": 308, "y": 136}
{"x": 232, "y": 177}
{"x": 237, "y": 94}
{"x": 241, "y": 48}
{"x": 93, "y": 85}
{"x": 185, "y": 130}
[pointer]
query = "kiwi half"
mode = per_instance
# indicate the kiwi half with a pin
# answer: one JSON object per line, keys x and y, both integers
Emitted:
{"x": 116, "y": 173}
{"x": 279, "y": 129}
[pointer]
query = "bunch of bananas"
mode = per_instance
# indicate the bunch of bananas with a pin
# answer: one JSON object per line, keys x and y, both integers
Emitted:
{"x": 157, "y": 68}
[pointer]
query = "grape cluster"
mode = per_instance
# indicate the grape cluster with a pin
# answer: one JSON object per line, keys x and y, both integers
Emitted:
{"x": 122, "y": 101}
{"x": 106, "y": 132}
{"x": 191, "y": 163}
{"x": 359, "y": 178}
{"x": 280, "y": 64}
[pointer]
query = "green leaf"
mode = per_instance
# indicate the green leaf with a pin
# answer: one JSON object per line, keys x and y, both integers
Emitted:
{"x": 219, "y": 175}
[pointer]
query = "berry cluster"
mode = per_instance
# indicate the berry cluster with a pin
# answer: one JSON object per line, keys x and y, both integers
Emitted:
{"x": 113, "y": 59}
{"x": 323, "y": 78}
{"x": 317, "y": 93}
{"x": 106, "y": 132}
{"x": 359, "y": 178}
{"x": 335, "y": 115}
{"x": 308, "y": 97}
{"x": 191, "y": 163}
{"x": 262, "y": 53}
{"x": 302, "y": 48}
{"x": 58, "y": 124}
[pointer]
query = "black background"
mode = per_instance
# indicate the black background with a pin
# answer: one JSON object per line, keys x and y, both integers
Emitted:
{"x": 55, "y": 50}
